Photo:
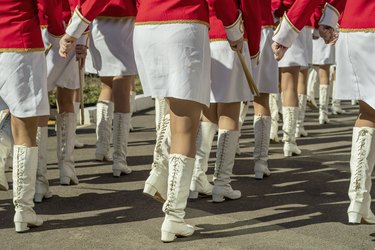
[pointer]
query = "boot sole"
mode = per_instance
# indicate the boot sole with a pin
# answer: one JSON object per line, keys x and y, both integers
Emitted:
{"x": 152, "y": 192}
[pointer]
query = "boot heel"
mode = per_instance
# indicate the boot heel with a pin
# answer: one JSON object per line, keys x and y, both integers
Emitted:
{"x": 149, "y": 190}
{"x": 259, "y": 175}
{"x": 65, "y": 180}
{"x": 288, "y": 153}
{"x": 38, "y": 198}
{"x": 218, "y": 198}
{"x": 21, "y": 227}
{"x": 167, "y": 236}
{"x": 354, "y": 218}
{"x": 193, "y": 194}
{"x": 116, "y": 173}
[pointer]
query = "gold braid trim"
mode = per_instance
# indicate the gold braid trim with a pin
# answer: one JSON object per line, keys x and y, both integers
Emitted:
{"x": 115, "y": 17}
{"x": 172, "y": 22}
{"x": 21, "y": 50}
{"x": 290, "y": 23}
{"x": 81, "y": 16}
{"x": 347, "y": 30}
{"x": 212, "y": 40}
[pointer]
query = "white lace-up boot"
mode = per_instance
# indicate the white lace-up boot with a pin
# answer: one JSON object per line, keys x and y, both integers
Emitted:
{"x": 42, "y": 185}
{"x": 121, "y": 125}
{"x": 243, "y": 112}
{"x": 65, "y": 148}
{"x": 274, "y": 118}
{"x": 161, "y": 109}
{"x": 336, "y": 104}
{"x": 361, "y": 167}
{"x": 77, "y": 109}
{"x": 24, "y": 174}
{"x": 179, "y": 178}
{"x": 262, "y": 127}
{"x": 132, "y": 106}
{"x": 312, "y": 82}
{"x": 199, "y": 182}
{"x": 156, "y": 183}
{"x": 323, "y": 104}
{"x": 104, "y": 117}
{"x": 6, "y": 143}
{"x": 225, "y": 155}
{"x": 289, "y": 129}
{"x": 300, "y": 131}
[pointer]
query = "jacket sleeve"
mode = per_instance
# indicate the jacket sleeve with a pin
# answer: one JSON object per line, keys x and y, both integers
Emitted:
{"x": 228, "y": 12}
{"x": 84, "y": 13}
{"x": 251, "y": 13}
{"x": 298, "y": 15}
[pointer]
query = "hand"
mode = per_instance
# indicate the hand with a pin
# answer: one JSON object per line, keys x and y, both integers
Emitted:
{"x": 329, "y": 34}
{"x": 236, "y": 45}
{"x": 67, "y": 44}
{"x": 278, "y": 51}
{"x": 81, "y": 53}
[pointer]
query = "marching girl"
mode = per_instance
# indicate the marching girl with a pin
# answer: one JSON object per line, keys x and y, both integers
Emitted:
{"x": 228, "y": 89}
{"x": 173, "y": 64}
{"x": 290, "y": 67}
{"x": 65, "y": 75}
{"x": 111, "y": 50}
{"x": 23, "y": 90}
{"x": 356, "y": 38}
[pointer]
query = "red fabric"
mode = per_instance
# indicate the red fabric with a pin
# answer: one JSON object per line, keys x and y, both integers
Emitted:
{"x": 19, "y": 25}
{"x": 67, "y": 12}
{"x": 90, "y": 8}
{"x": 251, "y": 13}
{"x": 266, "y": 13}
{"x": 188, "y": 10}
{"x": 51, "y": 14}
{"x": 120, "y": 8}
{"x": 358, "y": 14}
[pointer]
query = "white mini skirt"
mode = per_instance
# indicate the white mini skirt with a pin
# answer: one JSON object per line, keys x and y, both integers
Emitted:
{"x": 355, "y": 67}
{"x": 111, "y": 47}
{"x": 23, "y": 85}
{"x": 297, "y": 54}
{"x": 324, "y": 54}
{"x": 173, "y": 60}
{"x": 267, "y": 72}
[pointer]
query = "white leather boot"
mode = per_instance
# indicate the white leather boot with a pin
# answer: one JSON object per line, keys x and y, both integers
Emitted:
{"x": 274, "y": 118}
{"x": 336, "y": 104}
{"x": 262, "y": 127}
{"x": 312, "y": 82}
{"x": 226, "y": 147}
{"x": 24, "y": 174}
{"x": 361, "y": 167}
{"x": 156, "y": 184}
{"x": 289, "y": 129}
{"x": 77, "y": 110}
{"x": 65, "y": 148}
{"x": 121, "y": 124}
{"x": 42, "y": 185}
{"x": 323, "y": 104}
{"x": 6, "y": 143}
{"x": 161, "y": 109}
{"x": 199, "y": 182}
{"x": 132, "y": 107}
{"x": 179, "y": 178}
{"x": 300, "y": 131}
{"x": 243, "y": 112}
{"x": 104, "y": 117}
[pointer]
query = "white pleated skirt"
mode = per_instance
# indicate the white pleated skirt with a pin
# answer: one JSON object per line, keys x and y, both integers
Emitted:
{"x": 173, "y": 60}
{"x": 23, "y": 85}
{"x": 111, "y": 47}
{"x": 61, "y": 72}
{"x": 266, "y": 72}
{"x": 228, "y": 80}
{"x": 355, "y": 67}
{"x": 297, "y": 54}
{"x": 309, "y": 44}
{"x": 324, "y": 54}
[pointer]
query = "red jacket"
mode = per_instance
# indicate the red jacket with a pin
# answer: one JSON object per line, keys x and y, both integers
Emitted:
{"x": 119, "y": 9}
{"x": 176, "y": 11}
{"x": 266, "y": 13}
{"x": 359, "y": 15}
{"x": 19, "y": 26}
{"x": 51, "y": 16}
{"x": 251, "y": 13}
